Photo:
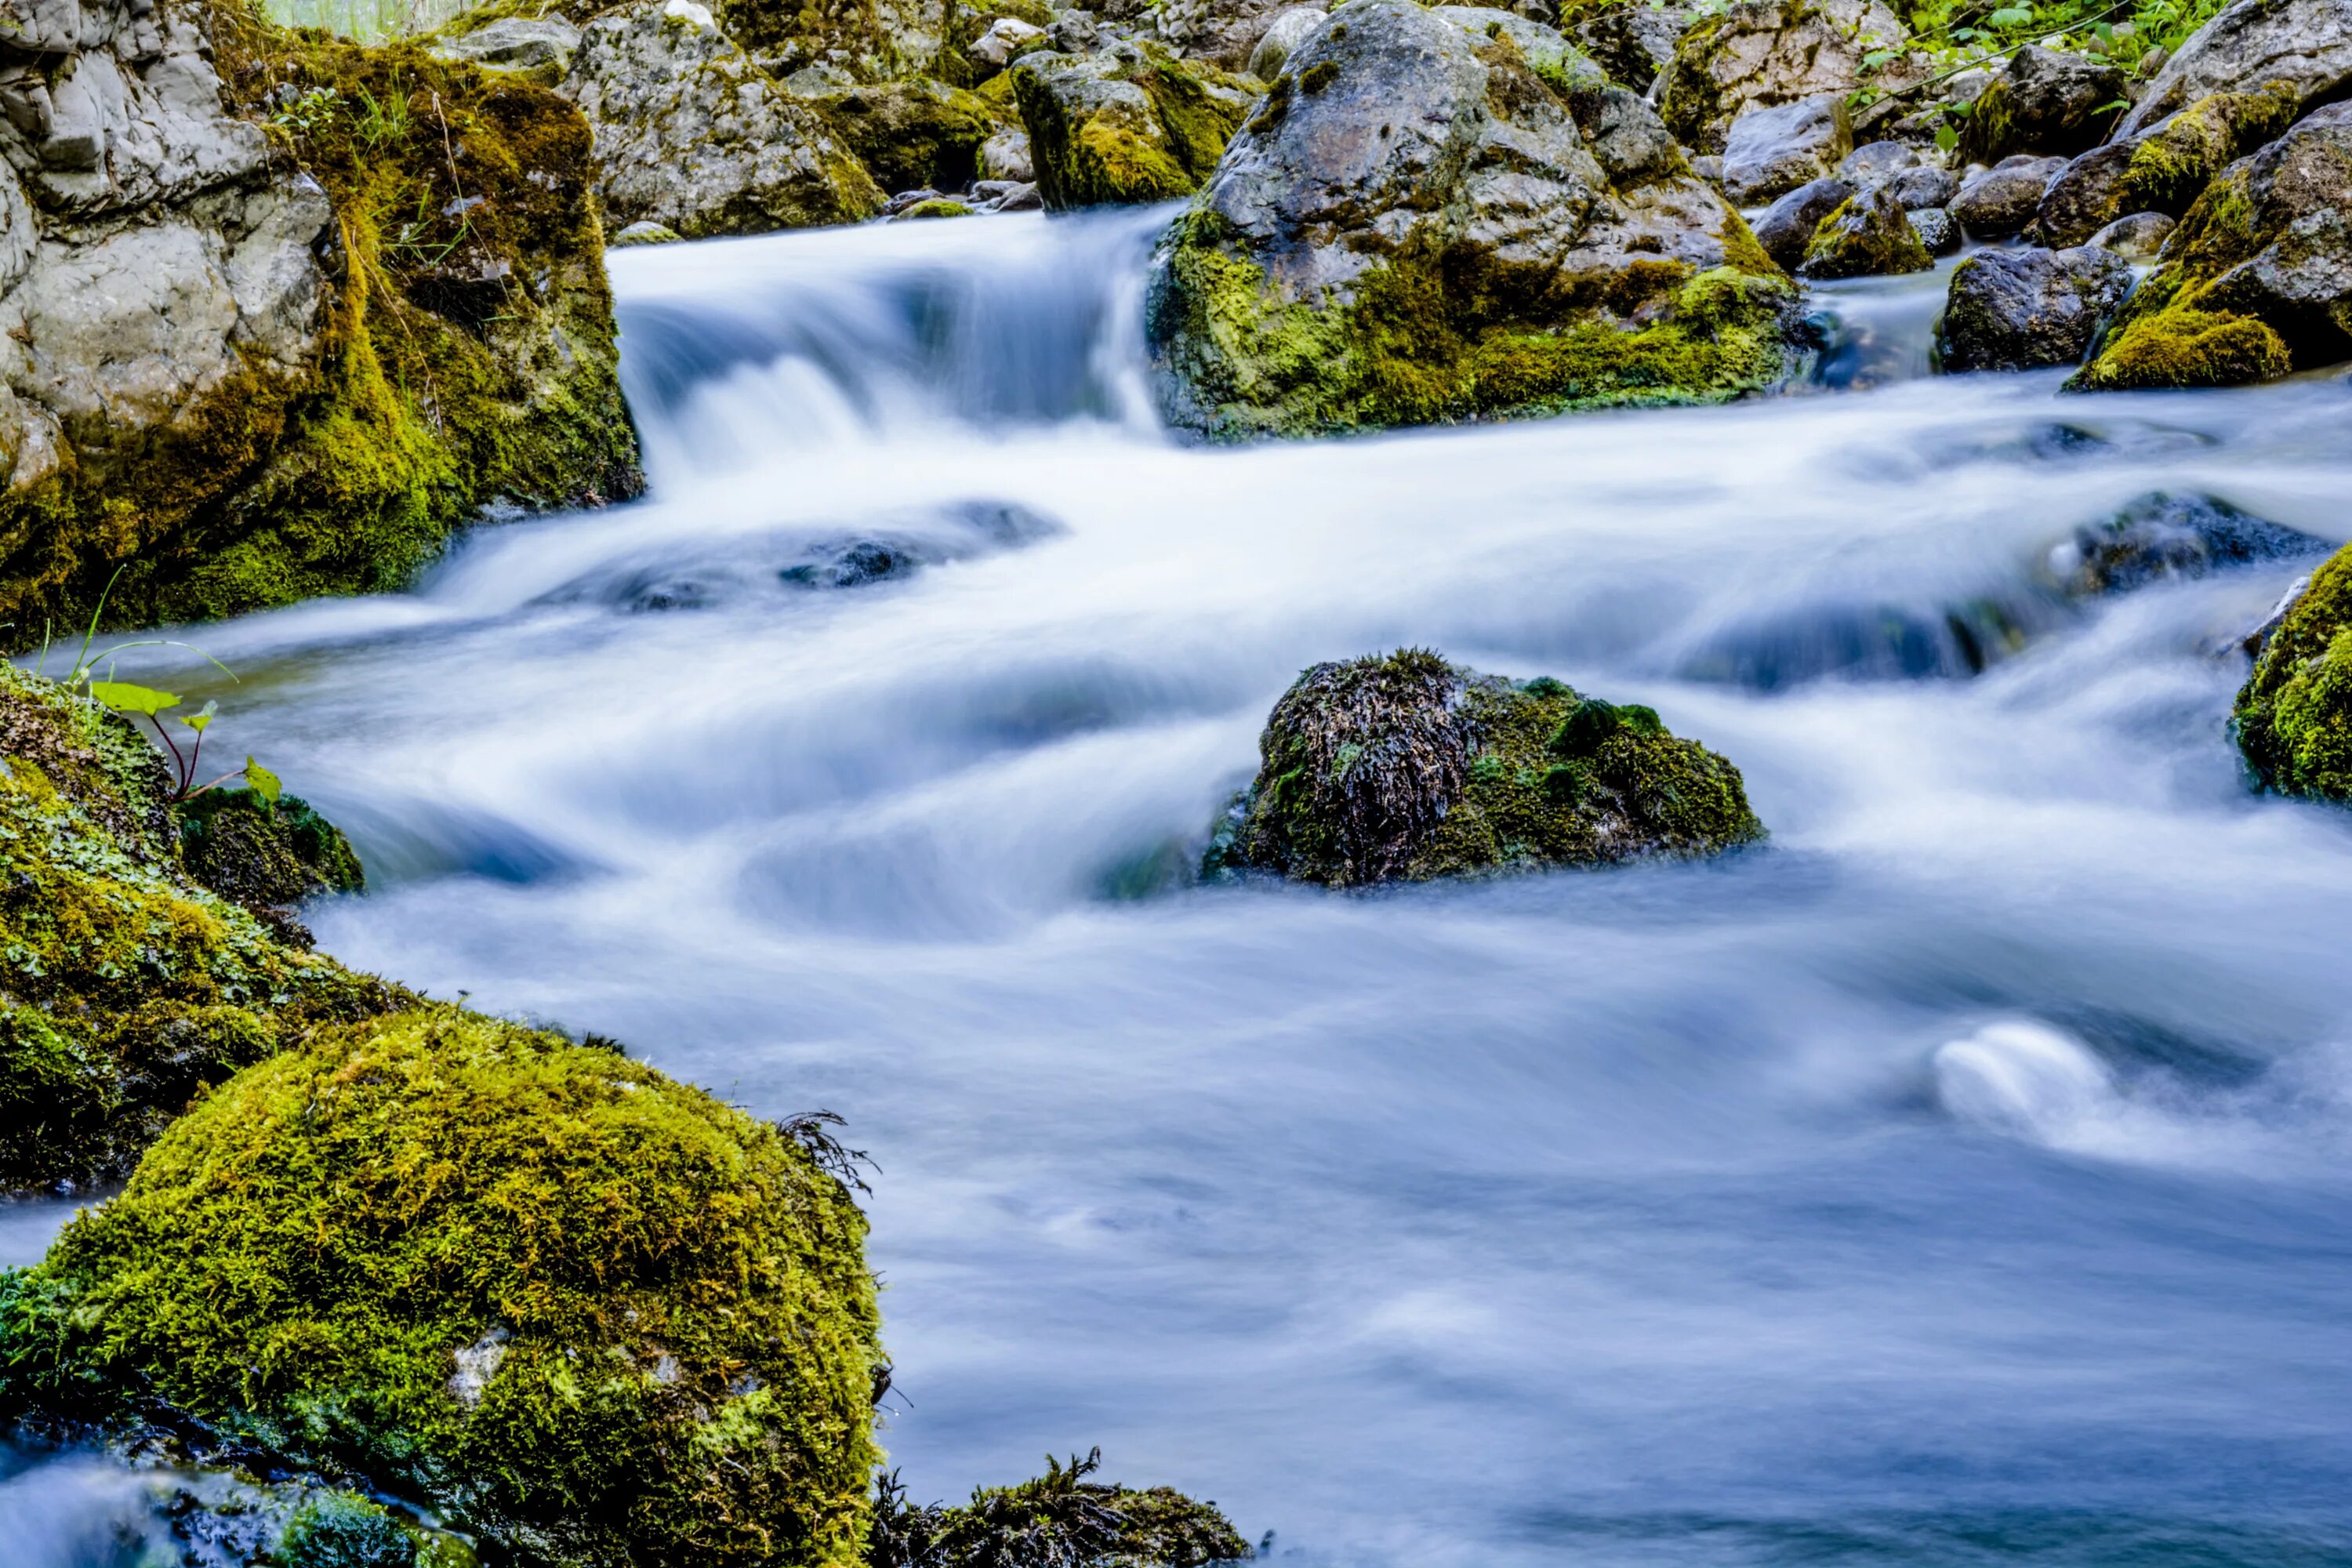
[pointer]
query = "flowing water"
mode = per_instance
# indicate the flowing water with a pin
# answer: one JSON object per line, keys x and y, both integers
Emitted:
{"x": 1960, "y": 1178}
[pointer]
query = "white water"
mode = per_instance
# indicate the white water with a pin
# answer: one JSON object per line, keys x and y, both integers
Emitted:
{"x": 1959, "y": 1179}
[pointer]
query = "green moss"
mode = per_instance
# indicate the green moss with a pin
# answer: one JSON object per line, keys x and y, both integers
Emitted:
{"x": 467, "y": 355}
{"x": 1061, "y": 1517}
{"x": 939, "y": 207}
{"x": 125, "y": 987}
{"x": 2181, "y": 345}
{"x": 264, "y": 855}
{"x": 1869, "y": 235}
{"x": 1409, "y": 767}
{"x": 1423, "y": 340}
{"x": 587, "y": 1312}
{"x": 1094, "y": 150}
{"x": 2293, "y": 717}
{"x": 2174, "y": 163}
{"x": 913, "y": 134}
{"x": 340, "y": 1531}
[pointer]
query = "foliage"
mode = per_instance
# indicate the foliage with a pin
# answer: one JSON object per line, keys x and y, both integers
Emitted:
{"x": 1948, "y": 36}
{"x": 1060, "y": 1520}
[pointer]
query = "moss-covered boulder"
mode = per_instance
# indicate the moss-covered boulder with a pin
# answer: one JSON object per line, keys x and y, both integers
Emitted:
{"x": 267, "y": 852}
{"x": 1420, "y": 223}
{"x": 126, "y": 987}
{"x": 1870, "y": 235}
{"x": 916, "y": 134}
{"x": 318, "y": 306}
{"x": 1408, "y": 767}
{"x": 2163, "y": 170}
{"x": 1758, "y": 54}
{"x": 2293, "y": 717}
{"x": 1061, "y": 1517}
{"x": 2255, "y": 280}
{"x": 1134, "y": 123}
{"x": 2044, "y": 100}
{"x": 586, "y": 1313}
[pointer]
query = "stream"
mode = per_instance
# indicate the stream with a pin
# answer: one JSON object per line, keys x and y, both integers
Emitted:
{"x": 1962, "y": 1177}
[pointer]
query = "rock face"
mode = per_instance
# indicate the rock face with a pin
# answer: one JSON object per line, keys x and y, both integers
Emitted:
{"x": 1132, "y": 124}
{"x": 2162, "y": 170}
{"x": 2256, "y": 279}
{"x": 693, "y": 135}
{"x": 1786, "y": 230}
{"x": 1996, "y": 203}
{"x": 2044, "y": 101}
{"x": 1415, "y": 225}
{"x": 914, "y": 134}
{"x": 2019, "y": 309}
{"x": 1633, "y": 41}
{"x": 2162, "y": 536}
{"x": 1871, "y": 236}
{"x": 1768, "y": 152}
{"x": 1407, "y": 768}
{"x": 575, "y": 1308}
{"x": 2293, "y": 716}
{"x": 1761, "y": 53}
{"x": 132, "y": 986}
{"x": 196, "y": 385}
{"x": 2304, "y": 44}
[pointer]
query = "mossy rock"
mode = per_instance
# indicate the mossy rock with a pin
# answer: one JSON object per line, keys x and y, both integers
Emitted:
{"x": 914, "y": 135}
{"x": 588, "y": 1313}
{"x": 263, "y": 854}
{"x": 466, "y": 355}
{"x": 2293, "y": 717}
{"x": 1061, "y": 1517}
{"x": 126, "y": 987}
{"x": 1407, "y": 768}
{"x": 1868, "y": 236}
{"x": 1135, "y": 124}
{"x": 340, "y": 1530}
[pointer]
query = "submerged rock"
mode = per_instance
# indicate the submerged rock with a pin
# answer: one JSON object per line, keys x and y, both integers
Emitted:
{"x": 1870, "y": 236}
{"x": 1407, "y": 767}
{"x": 2293, "y": 716}
{"x": 1132, "y": 124}
{"x": 1421, "y": 223}
{"x": 2162, "y": 536}
{"x": 579, "y": 1309}
{"x": 131, "y": 987}
{"x": 2020, "y": 310}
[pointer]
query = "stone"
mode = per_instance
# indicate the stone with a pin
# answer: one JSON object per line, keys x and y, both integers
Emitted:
{"x": 1413, "y": 226}
{"x": 1756, "y": 54}
{"x": 2304, "y": 44}
{"x": 1768, "y": 152}
{"x": 692, "y": 135}
{"x": 2162, "y": 536}
{"x": 1935, "y": 228}
{"x": 1285, "y": 33}
{"x": 2163, "y": 169}
{"x": 1877, "y": 163}
{"x": 1995, "y": 202}
{"x": 538, "y": 47}
{"x": 1787, "y": 227}
{"x": 2257, "y": 279}
{"x": 2026, "y": 308}
{"x": 1407, "y": 768}
{"x": 2293, "y": 717}
{"x": 1132, "y": 124}
{"x": 2136, "y": 238}
{"x": 1005, "y": 38}
{"x": 915, "y": 132}
{"x": 1871, "y": 236}
{"x": 2044, "y": 101}
{"x": 1005, "y": 156}
{"x": 1925, "y": 186}
{"x": 1633, "y": 40}
{"x": 1219, "y": 33}
{"x": 646, "y": 232}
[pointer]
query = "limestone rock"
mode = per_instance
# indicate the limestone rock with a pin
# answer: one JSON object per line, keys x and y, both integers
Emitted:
{"x": 1786, "y": 230}
{"x": 2019, "y": 309}
{"x": 691, "y": 134}
{"x": 1132, "y": 124}
{"x": 1632, "y": 40}
{"x": 1285, "y": 33}
{"x": 2163, "y": 169}
{"x": 2045, "y": 101}
{"x": 1995, "y": 202}
{"x": 1871, "y": 236}
{"x": 2305, "y": 45}
{"x": 1768, "y": 152}
{"x": 1415, "y": 226}
{"x": 1757, "y": 54}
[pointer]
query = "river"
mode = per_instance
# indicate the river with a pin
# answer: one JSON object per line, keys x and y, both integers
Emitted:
{"x": 1959, "y": 1178}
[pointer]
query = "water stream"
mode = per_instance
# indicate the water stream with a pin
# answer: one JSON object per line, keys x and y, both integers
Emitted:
{"x": 1961, "y": 1178}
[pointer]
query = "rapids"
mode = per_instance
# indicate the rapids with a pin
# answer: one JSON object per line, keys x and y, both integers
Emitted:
{"x": 1959, "y": 1178}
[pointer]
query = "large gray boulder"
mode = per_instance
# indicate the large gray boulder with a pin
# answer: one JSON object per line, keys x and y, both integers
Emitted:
{"x": 1995, "y": 202}
{"x": 693, "y": 135}
{"x": 1132, "y": 124}
{"x": 1756, "y": 54}
{"x": 2044, "y": 101}
{"x": 2019, "y": 309}
{"x": 1786, "y": 230}
{"x": 2304, "y": 44}
{"x": 1768, "y": 152}
{"x": 2164, "y": 168}
{"x": 1416, "y": 226}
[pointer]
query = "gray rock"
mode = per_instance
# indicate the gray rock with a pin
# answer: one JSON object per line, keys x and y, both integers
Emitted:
{"x": 1634, "y": 41}
{"x": 1925, "y": 186}
{"x": 537, "y": 46}
{"x": 1130, "y": 124}
{"x": 2307, "y": 44}
{"x": 692, "y": 135}
{"x": 1220, "y": 32}
{"x": 2085, "y": 196}
{"x": 1005, "y": 156}
{"x": 1004, "y": 38}
{"x": 2163, "y": 169}
{"x": 2137, "y": 237}
{"x": 1761, "y": 53}
{"x": 1935, "y": 228}
{"x": 1996, "y": 203}
{"x": 1285, "y": 33}
{"x": 2044, "y": 101}
{"x": 2019, "y": 309}
{"x": 2288, "y": 261}
{"x": 1786, "y": 230}
{"x": 2162, "y": 536}
{"x": 1876, "y": 162}
{"x": 643, "y": 232}
{"x": 1768, "y": 152}
{"x": 1626, "y": 135}
{"x": 1870, "y": 236}
{"x": 1021, "y": 198}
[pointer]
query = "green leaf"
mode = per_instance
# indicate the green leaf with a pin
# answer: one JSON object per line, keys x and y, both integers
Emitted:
{"x": 124, "y": 697}
{"x": 1967, "y": 36}
{"x": 202, "y": 719}
{"x": 2010, "y": 17}
{"x": 1947, "y": 138}
{"x": 2105, "y": 30}
{"x": 2111, "y": 108}
{"x": 262, "y": 781}
{"x": 1877, "y": 59}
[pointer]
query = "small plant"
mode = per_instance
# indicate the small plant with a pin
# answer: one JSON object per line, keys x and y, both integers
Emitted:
{"x": 303, "y": 113}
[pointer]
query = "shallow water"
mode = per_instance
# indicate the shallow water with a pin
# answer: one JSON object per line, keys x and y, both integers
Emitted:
{"x": 1960, "y": 1178}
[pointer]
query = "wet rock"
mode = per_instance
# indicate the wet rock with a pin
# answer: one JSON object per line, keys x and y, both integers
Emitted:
{"x": 915, "y": 132}
{"x": 1285, "y": 33}
{"x": 1415, "y": 226}
{"x": 268, "y": 852}
{"x": 2163, "y": 536}
{"x": 2258, "y": 276}
{"x": 1060, "y": 1517}
{"x": 692, "y": 135}
{"x": 1761, "y": 53}
{"x": 1769, "y": 151}
{"x": 2085, "y": 196}
{"x": 1864, "y": 640}
{"x": 1877, "y": 163}
{"x": 2044, "y": 101}
{"x": 1995, "y": 202}
{"x": 1871, "y": 236}
{"x": 1935, "y": 228}
{"x": 1408, "y": 768}
{"x": 2019, "y": 309}
{"x": 2293, "y": 716}
{"x": 1132, "y": 124}
{"x": 2304, "y": 44}
{"x": 2136, "y": 238}
{"x": 1634, "y": 40}
{"x": 1787, "y": 227}
{"x": 1023, "y": 198}
{"x": 1923, "y": 187}
{"x": 2160, "y": 170}
{"x": 2259, "y": 638}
